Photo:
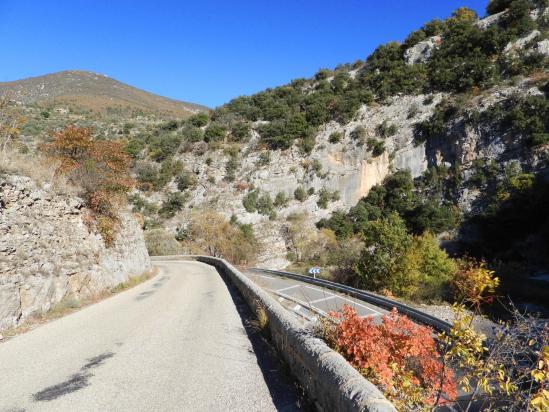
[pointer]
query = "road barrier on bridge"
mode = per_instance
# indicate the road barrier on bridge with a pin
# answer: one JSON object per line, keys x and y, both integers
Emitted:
{"x": 414, "y": 314}
{"x": 328, "y": 379}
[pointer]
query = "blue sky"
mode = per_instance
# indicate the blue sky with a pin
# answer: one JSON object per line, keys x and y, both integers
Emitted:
{"x": 203, "y": 51}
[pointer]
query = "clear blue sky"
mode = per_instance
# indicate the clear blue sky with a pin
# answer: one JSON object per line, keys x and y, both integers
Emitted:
{"x": 203, "y": 51}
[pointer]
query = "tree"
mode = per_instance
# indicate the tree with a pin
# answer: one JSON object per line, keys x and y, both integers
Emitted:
{"x": 386, "y": 243}
{"x": 99, "y": 167}
{"x": 209, "y": 232}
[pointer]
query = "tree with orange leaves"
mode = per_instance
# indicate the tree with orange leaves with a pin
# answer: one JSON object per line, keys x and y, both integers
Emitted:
{"x": 100, "y": 168}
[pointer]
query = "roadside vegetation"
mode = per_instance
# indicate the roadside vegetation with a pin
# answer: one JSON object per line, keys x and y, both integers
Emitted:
{"x": 508, "y": 371}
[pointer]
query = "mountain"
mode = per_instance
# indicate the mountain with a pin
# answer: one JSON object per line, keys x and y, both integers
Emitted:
{"x": 88, "y": 90}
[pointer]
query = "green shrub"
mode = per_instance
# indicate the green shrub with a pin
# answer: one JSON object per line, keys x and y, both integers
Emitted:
{"x": 323, "y": 198}
{"x": 335, "y": 137}
{"x": 281, "y": 200}
{"x": 265, "y": 204}
{"x": 186, "y": 180}
{"x": 173, "y": 204}
{"x": 214, "y": 133}
{"x": 240, "y": 132}
{"x": 358, "y": 134}
{"x": 377, "y": 147}
{"x": 192, "y": 134}
{"x": 135, "y": 147}
{"x": 249, "y": 201}
{"x": 264, "y": 158}
{"x": 199, "y": 119}
{"x": 300, "y": 194}
{"x": 230, "y": 169}
{"x": 386, "y": 129}
{"x": 164, "y": 146}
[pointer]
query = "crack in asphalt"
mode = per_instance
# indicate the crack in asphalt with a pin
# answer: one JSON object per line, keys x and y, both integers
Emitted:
{"x": 74, "y": 383}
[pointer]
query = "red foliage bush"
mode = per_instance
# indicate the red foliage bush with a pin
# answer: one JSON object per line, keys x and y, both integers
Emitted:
{"x": 398, "y": 355}
{"x": 100, "y": 168}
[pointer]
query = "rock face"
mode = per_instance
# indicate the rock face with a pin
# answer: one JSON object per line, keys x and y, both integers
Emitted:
{"x": 48, "y": 253}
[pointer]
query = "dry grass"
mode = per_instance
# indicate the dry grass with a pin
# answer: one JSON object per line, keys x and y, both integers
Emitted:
{"x": 70, "y": 304}
{"x": 40, "y": 169}
{"x": 261, "y": 321}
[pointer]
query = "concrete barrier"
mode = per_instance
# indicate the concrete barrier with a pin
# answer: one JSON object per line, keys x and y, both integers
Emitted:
{"x": 328, "y": 379}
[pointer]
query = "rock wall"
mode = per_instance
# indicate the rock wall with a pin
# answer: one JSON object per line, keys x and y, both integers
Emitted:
{"x": 48, "y": 253}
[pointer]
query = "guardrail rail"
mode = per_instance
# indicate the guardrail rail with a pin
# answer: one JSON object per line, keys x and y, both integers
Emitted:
{"x": 369, "y": 297}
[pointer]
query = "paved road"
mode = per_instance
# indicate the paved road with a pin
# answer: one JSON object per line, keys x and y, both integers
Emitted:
{"x": 298, "y": 296}
{"x": 178, "y": 342}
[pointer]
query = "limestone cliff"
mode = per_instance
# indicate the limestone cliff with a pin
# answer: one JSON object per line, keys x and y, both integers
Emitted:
{"x": 48, "y": 253}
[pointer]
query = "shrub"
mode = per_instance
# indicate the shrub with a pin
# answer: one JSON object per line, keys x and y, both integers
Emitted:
{"x": 265, "y": 204}
{"x": 173, "y": 204}
{"x": 192, "y": 134}
{"x": 214, "y": 133}
{"x": 186, "y": 180}
{"x": 463, "y": 60}
{"x": 386, "y": 73}
{"x": 323, "y": 198}
{"x": 240, "y": 132}
{"x": 100, "y": 168}
{"x": 161, "y": 243}
{"x": 230, "y": 169}
{"x": 358, "y": 134}
{"x": 398, "y": 356}
{"x": 281, "y": 200}
{"x": 208, "y": 232}
{"x": 147, "y": 176}
{"x": 377, "y": 147}
{"x": 300, "y": 194}
{"x": 385, "y": 129}
{"x": 335, "y": 137}
{"x": 250, "y": 201}
{"x": 264, "y": 158}
{"x": 134, "y": 147}
{"x": 199, "y": 119}
{"x": 164, "y": 146}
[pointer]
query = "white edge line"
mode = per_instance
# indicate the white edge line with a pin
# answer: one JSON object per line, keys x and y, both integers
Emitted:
{"x": 322, "y": 299}
{"x": 348, "y": 300}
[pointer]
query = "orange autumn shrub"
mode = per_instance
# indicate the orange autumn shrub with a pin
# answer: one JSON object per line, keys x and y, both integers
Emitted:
{"x": 100, "y": 168}
{"x": 397, "y": 355}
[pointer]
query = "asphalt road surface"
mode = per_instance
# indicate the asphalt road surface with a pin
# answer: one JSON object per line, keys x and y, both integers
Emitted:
{"x": 178, "y": 342}
{"x": 301, "y": 297}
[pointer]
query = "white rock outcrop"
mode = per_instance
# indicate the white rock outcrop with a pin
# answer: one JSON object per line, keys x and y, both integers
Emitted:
{"x": 48, "y": 253}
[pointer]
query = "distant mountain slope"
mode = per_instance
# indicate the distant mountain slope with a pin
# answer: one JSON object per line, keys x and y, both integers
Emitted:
{"x": 94, "y": 91}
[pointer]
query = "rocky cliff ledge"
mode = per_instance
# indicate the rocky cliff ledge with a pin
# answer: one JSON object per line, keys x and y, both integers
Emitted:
{"x": 48, "y": 253}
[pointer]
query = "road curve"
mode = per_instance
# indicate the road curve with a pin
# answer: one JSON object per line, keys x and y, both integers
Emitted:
{"x": 178, "y": 342}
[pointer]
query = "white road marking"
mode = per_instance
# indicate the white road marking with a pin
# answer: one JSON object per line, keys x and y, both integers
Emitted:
{"x": 289, "y": 287}
{"x": 348, "y": 300}
{"x": 320, "y": 300}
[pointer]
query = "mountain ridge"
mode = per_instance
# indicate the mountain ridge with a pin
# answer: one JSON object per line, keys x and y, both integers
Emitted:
{"x": 93, "y": 91}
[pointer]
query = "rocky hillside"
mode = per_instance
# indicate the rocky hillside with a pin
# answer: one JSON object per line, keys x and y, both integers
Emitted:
{"x": 97, "y": 92}
{"x": 48, "y": 253}
{"x": 456, "y": 97}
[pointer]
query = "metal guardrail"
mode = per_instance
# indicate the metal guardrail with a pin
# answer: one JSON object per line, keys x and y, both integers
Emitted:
{"x": 414, "y": 314}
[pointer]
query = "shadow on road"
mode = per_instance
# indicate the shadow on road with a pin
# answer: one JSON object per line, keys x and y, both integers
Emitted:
{"x": 285, "y": 392}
